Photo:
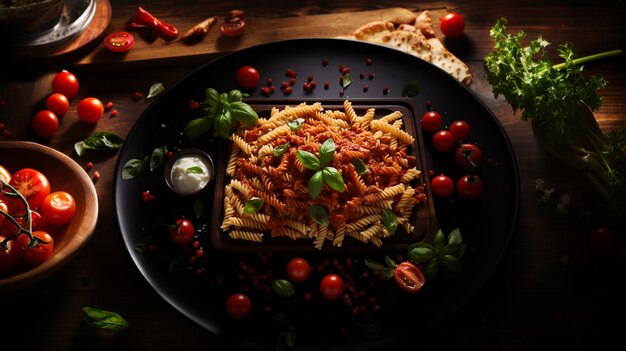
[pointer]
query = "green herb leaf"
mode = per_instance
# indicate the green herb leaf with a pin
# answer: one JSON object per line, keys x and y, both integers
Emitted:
{"x": 244, "y": 113}
{"x": 281, "y": 149}
{"x": 451, "y": 263}
{"x": 421, "y": 244}
{"x": 156, "y": 158}
{"x": 411, "y": 88}
{"x": 212, "y": 97}
{"x": 373, "y": 265}
{"x": 155, "y": 89}
{"x": 197, "y": 127}
{"x": 174, "y": 264}
{"x": 141, "y": 245}
{"x": 316, "y": 183}
{"x": 285, "y": 341}
{"x": 195, "y": 170}
{"x": 390, "y": 221}
{"x": 99, "y": 141}
{"x": 198, "y": 208}
{"x": 455, "y": 237}
{"x": 347, "y": 79}
{"x": 333, "y": 178}
{"x": 431, "y": 269}
{"x": 421, "y": 254}
{"x": 319, "y": 215}
{"x": 327, "y": 152}
{"x": 132, "y": 168}
{"x": 283, "y": 287}
{"x": 439, "y": 241}
{"x": 295, "y": 124}
{"x": 253, "y": 205}
{"x": 223, "y": 124}
{"x": 102, "y": 319}
{"x": 450, "y": 249}
{"x": 308, "y": 160}
{"x": 386, "y": 273}
{"x": 371, "y": 331}
{"x": 359, "y": 166}
{"x": 234, "y": 96}
{"x": 390, "y": 262}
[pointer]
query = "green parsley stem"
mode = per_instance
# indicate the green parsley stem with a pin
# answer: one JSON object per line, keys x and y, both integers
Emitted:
{"x": 585, "y": 59}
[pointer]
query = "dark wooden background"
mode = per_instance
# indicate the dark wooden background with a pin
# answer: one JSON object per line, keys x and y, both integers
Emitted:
{"x": 550, "y": 290}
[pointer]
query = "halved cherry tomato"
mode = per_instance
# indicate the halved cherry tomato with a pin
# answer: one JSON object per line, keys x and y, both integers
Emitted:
{"x": 468, "y": 156}
{"x": 238, "y": 306}
{"x": 33, "y": 185}
{"x": 443, "y": 141}
{"x": 45, "y": 123}
{"x": 58, "y": 104}
{"x": 469, "y": 187}
{"x": 34, "y": 255}
{"x": 442, "y": 186}
{"x": 248, "y": 77}
{"x": 234, "y": 28}
{"x": 183, "y": 233}
{"x": 298, "y": 270}
{"x": 431, "y": 122}
{"x": 5, "y": 175}
{"x": 119, "y": 41}
{"x": 331, "y": 287}
{"x": 58, "y": 208}
{"x": 65, "y": 83}
{"x": 452, "y": 25}
{"x": 409, "y": 277}
{"x": 90, "y": 109}
{"x": 460, "y": 129}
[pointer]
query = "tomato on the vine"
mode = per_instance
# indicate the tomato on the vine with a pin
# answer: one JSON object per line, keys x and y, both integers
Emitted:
{"x": 602, "y": 239}
{"x": 45, "y": 123}
{"x": 460, "y": 129}
{"x": 468, "y": 156}
{"x": 58, "y": 208}
{"x": 65, "y": 83}
{"x": 37, "y": 223}
{"x": 409, "y": 277}
{"x": 33, "y": 185}
{"x": 90, "y": 109}
{"x": 248, "y": 77}
{"x": 443, "y": 141}
{"x": 4, "y": 207}
{"x": 58, "y": 104}
{"x": 431, "y": 122}
{"x": 298, "y": 269}
{"x": 37, "y": 254}
{"x": 442, "y": 186}
{"x": 238, "y": 306}
{"x": 7, "y": 257}
{"x": 5, "y": 175}
{"x": 183, "y": 232}
{"x": 452, "y": 25}
{"x": 331, "y": 287}
{"x": 469, "y": 187}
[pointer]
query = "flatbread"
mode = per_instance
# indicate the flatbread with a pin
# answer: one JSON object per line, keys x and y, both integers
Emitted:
{"x": 374, "y": 32}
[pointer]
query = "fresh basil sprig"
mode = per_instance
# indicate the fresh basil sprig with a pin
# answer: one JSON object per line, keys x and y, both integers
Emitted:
{"x": 323, "y": 173}
{"x": 319, "y": 215}
{"x": 222, "y": 111}
{"x": 359, "y": 166}
{"x": 134, "y": 166}
{"x": 444, "y": 252}
{"x": 385, "y": 270}
{"x": 283, "y": 287}
{"x": 281, "y": 149}
{"x": 253, "y": 205}
{"x": 101, "y": 319}
{"x": 390, "y": 221}
{"x": 99, "y": 141}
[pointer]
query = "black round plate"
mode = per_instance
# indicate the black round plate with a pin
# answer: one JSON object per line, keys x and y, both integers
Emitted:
{"x": 486, "y": 224}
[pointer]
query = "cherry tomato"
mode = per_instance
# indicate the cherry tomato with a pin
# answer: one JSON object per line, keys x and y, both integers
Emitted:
{"x": 602, "y": 239}
{"x": 238, "y": 306}
{"x": 7, "y": 257}
{"x": 90, "y": 110}
{"x": 248, "y": 77}
{"x": 468, "y": 156}
{"x": 233, "y": 29}
{"x": 58, "y": 208}
{"x": 37, "y": 223}
{"x": 119, "y": 41}
{"x": 33, "y": 185}
{"x": 443, "y": 141}
{"x": 298, "y": 270}
{"x": 469, "y": 187}
{"x": 65, "y": 83}
{"x": 183, "y": 233}
{"x": 37, "y": 254}
{"x": 332, "y": 287}
{"x": 4, "y": 207}
{"x": 461, "y": 130}
{"x": 409, "y": 277}
{"x": 452, "y": 25}
{"x": 442, "y": 186}
{"x": 45, "y": 123}
{"x": 5, "y": 175}
{"x": 58, "y": 104}
{"x": 431, "y": 122}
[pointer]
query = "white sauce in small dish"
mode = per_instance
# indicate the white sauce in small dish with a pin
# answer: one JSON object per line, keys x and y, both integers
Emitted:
{"x": 190, "y": 174}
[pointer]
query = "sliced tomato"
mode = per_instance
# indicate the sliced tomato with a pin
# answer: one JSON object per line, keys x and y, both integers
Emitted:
{"x": 409, "y": 277}
{"x": 234, "y": 28}
{"x": 119, "y": 41}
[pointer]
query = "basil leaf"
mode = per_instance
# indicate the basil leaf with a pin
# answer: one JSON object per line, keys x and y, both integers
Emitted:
{"x": 156, "y": 158}
{"x": 280, "y": 149}
{"x": 197, "y": 127}
{"x": 253, "y": 205}
{"x": 296, "y": 124}
{"x": 234, "y": 96}
{"x": 373, "y": 265}
{"x": 132, "y": 168}
{"x": 386, "y": 273}
{"x": 359, "y": 166}
{"x": 308, "y": 160}
{"x": 101, "y": 319}
{"x": 327, "y": 152}
{"x": 223, "y": 102}
{"x": 461, "y": 250}
{"x": 222, "y": 125}
{"x": 316, "y": 183}
{"x": 439, "y": 241}
{"x": 411, "y": 88}
{"x": 450, "y": 249}
{"x": 282, "y": 320}
{"x": 347, "y": 79}
{"x": 319, "y": 215}
{"x": 285, "y": 341}
{"x": 431, "y": 269}
{"x": 198, "y": 208}
{"x": 451, "y": 263}
{"x": 155, "y": 89}
{"x": 421, "y": 244}
{"x": 195, "y": 170}
{"x": 141, "y": 245}
{"x": 455, "y": 236}
{"x": 99, "y": 141}
{"x": 212, "y": 97}
{"x": 371, "y": 331}
{"x": 283, "y": 287}
{"x": 390, "y": 221}
{"x": 421, "y": 254}
{"x": 333, "y": 178}
{"x": 244, "y": 113}
{"x": 390, "y": 262}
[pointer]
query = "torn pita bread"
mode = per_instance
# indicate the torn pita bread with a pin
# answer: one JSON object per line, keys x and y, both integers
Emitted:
{"x": 374, "y": 32}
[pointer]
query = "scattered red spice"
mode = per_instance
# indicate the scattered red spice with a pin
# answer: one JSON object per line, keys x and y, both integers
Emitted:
{"x": 361, "y": 75}
{"x": 89, "y": 165}
{"x": 341, "y": 92}
{"x": 169, "y": 154}
{"x": 147, "y": 197}
{"x": 345, "y": 70}
{"x": 2, "y": 126}
{"x": 288, "y": 90}
{"x": 292, "y": 81}
{"x": 108, "y": 106}
{"x": 200, "y": 253}
{"x": 325, "y": 62}
{"x": 136, "y": 96}
{"x": 270, "y": 81}
{"x": 114, "y": 113}
{"x": 291, "y": 73}
{"x": 385, "y": 90}
{"x": 326, "y": 85}
{"x": 193, "y": 105}
{"x": 265, "y": 91}
{"x": 96, "y": 175}
{"x": 368, "y": 61}
{"x": 371, "y": 76}
{"x": 429, "y": 104}
{"x": 365, "y": 87}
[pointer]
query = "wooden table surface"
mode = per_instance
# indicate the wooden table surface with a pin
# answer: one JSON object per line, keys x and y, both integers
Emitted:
{"x": 549, "y": 290}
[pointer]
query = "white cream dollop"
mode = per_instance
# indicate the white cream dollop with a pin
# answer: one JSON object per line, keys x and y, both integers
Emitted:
{"x": 186, "y": 176}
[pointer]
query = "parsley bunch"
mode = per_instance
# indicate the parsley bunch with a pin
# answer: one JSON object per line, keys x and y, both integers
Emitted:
{"x": 559, "y": 101}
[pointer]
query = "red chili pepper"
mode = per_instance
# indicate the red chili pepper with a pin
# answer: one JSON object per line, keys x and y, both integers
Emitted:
{"x": 144, "y": 19}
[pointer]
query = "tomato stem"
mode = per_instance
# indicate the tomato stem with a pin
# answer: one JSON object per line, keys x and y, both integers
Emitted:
{"x": 28, "y": 213}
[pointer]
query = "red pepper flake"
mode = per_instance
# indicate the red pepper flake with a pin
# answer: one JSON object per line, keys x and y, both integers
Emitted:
{"x": 270, "y": 81}
{"x": 89, "y": 165}
{"x": 368, "y": 61}
{"x": 361, "y": 75}
{"x": 96, "y": 175}
{"x": 309, "y": 78}
{"x": 365, "y": 87}
{"x": 265, "y": 91}
{"x": 341, "y": 92}
{"x": 371, "y": 76}
{"x": 199, "y": 271}
{"x": 325, "y": 62}
{"x": 272, "y": 89}
{"x": 200, "y": 253}
{"x": 193, "y": 105}
{"x": 136, "y": 96}
{"x": 429, "y": 104}
{"x": 386, "y": 90}
{"x": 108, "y": 106}
{"x": 2, "y": 126}
{"x": 431, "y": 172}
{"x": 341, "y": 67}
{"x": 313, "y": 84}
{"x": 192, "y": 259}
{"x": 345, "y": 70}
{"x": 326, "y": 85}
{"x": 169, "y": 154}
{"x": 114, "y": 113}
{"x": 292, "y": 81}
{"x": 7, "y": 132}
{"x": 284, "y": 85}
{"x": 287, "y": 90}
{"x": 291, "y": 73}
{"x": 147, "y": 197}
{"x": 196, "y": 244}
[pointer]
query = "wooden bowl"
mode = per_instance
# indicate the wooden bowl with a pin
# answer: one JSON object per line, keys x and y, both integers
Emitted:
{"x": 64, "y": 174}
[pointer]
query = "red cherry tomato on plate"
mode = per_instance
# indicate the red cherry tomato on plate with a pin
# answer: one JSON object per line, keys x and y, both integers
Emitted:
{"x": 45, "y": 123}
{"x": 183, "y": 233}
{"x": 332, "y": 287}
{"x": 298, "y": 270}
{"x": 33, "y": 185}
{"x": 90, "y": 110}
{"x": 409, "y": 277}
{"x": 58, "y": 104}
{"x": 468, "y": 156}
{"x": 431, "y": 122}
{"x": 442, "y": 186}
{"x": 469, "y": 187}
{"x": 238, "y": 306}
{"x": 248, "y": 77}
{"x": 460, "y": 129}
{"x": 452, "y": 25}
{"x": 443, "y": 141}
{"x": 58, "y": 208}
{"x": 602, "y": 239}
{"x": 34, "y": 255}
{"x": 119, "y": 41}
{"x": 65, "y": 83}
